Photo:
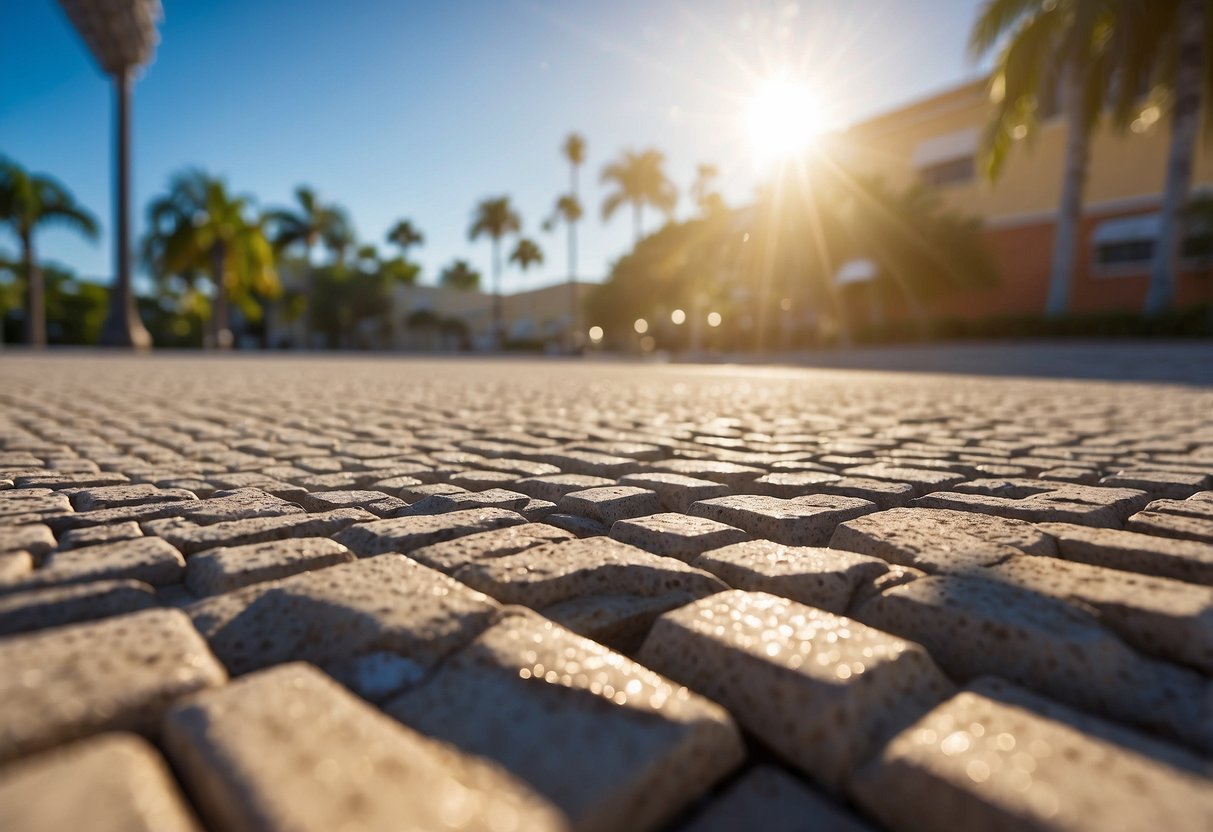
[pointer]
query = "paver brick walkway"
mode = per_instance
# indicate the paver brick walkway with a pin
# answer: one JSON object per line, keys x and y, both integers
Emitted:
{"x": 320, "y": 593}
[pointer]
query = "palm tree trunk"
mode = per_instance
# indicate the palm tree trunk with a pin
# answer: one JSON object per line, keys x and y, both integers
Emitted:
{"x": 574, "y": 312}
{"x": 220, "y": 333}
{"x": 637, "y": 208}
{"x": 35, "y": 310}
{"x": 1164, "y": 267}
{"x": 497, "y": 335}
{"x": 1073, "y": 183}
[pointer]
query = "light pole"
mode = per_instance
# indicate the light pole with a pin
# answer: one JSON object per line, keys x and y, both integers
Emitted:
{"x": 122, "y": 36}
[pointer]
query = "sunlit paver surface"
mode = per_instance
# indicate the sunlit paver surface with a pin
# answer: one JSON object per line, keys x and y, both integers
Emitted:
{"x": 304, "y": 593}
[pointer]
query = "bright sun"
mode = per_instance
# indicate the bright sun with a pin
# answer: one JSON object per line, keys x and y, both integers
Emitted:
{"x": 783, "y": 119}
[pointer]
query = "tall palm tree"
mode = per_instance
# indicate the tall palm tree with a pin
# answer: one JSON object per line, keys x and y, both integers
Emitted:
{"x": 1074, "y": 45}
{"x": 460, "y": 276}
{"x": 1181, "y": 52}
{"x": 640, "y": 180}
{"x": 199, "y": 227}
{"x": 405, "y": 235}
{"x": 708, "y": 200}
{"x": 526, "y": 253}
{"x": 29, "y": 201}
{"x": 311, "y": 224}
{"x": 569, "y": 209}
{"x": 495, "y": 218}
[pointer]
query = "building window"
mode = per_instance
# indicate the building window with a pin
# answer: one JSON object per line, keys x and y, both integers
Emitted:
{"x": 951, "y": 172}
{"x": 1126, "y": 245}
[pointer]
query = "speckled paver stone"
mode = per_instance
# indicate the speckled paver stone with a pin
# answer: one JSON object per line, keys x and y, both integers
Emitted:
{"x": 976, "y": 626}
{"x": 822, "y": 690}
{"x": 190, "y": 538}
{"x": 148, "y": 559}
{"x": 337, "y": 763}
{"x": 676, "y": 491}
{"x": 404, "y": 534}
{"x": 498, "y": 498}
{"x": 34, "y": 539}
{"x": 726, "y": 473}
{"x": 576, "y": 525}
{"x": 885, "y": 494}
{"x": 238, "y": 504}
{"x": 413, "y": 493}
{"x": 18, "y": 509}
{"x": 801, "y": 521}
{"x": 608, "y": 504}
{"x": 57, "y": 480}
{"x": 824, "y": 578}
{"x": 554, "y": 486}
{"x": 114, "y": 674}
{"x": 1168, "y": 524}
{"x": 387, "y": 603}
{"x": 225, "y": 569}
{"x": 450, "y": 555}
{"x": 114, "y": 782}
{"x": 769, "y": 799}
{"x": 1041, "y": 501}
{"x": 938, "y": 540}
{"x": 93, "y": 535}
{"x": 55, "y": 606}
{"x": 676, "y": 535}
{"x": 117, "y": 496}
{"x": 376, "y": 502}
{"x": 923, "y": 480}
{"x": 1183, "y": 560}
{"x": 611, "y": 743}
{"x": 1159, "y": 616}
{"x": 15, "y": 566}
{"x": 1167, "y": 484}
{"x": 978, "y": 762}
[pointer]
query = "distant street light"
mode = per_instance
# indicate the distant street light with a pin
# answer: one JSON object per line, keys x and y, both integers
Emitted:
{"x": 596, "y": 334}
{"x": 641, "y": 326}
{"x": 122, "y": 36}
{"x": 714, "y": 319}
{"x": 678, "y": 317}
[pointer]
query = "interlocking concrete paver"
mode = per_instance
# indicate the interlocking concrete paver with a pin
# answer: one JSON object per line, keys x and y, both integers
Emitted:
{"x": 336, "y": 763}
{"x": 610, "y": 742}
{"x": 1085, "y": 505}
{"x": 772, "y": 800}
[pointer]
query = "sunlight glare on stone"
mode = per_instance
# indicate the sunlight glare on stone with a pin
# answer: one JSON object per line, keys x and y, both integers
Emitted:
{"x": 782, "y": 119}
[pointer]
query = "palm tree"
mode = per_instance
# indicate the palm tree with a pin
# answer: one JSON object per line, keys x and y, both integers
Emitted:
{"x": 313, "y": 223}
{"x": 405, "y": 235}
{"x": 707, "y": 199}
{"x": 29, "y": 201}
{"x": 569, "y": 209}
{"x": 640, "y": 181}
{"x": 460, "y": 277}
{"x": 526, "y": 253}
{"x": 1184, "y": 51}
{"x": 200, "y": 227}
{"x": 495, "y": 218}
{"x": 1071, "y": 44}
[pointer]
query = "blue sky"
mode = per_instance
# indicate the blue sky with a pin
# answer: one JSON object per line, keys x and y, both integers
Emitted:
{"x": 419, "y": 109}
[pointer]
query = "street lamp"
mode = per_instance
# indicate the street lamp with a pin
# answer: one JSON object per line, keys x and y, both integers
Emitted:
{"x": 121, "y": 34}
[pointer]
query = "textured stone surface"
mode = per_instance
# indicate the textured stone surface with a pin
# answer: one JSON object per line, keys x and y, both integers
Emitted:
{"x": 38, "y": 609}
{"x": 147, "y": 559}
{"x": 225, "y": 569}
{"x": 115, "y": 782}
{"x": 676, "y": 535}
{"x": 92, "y": 535}
{"x": 824, "y": 578}
{"x": 535, "y": 697}
{"x": 1183, "y": 560}
{"x": 114, "y": 674}
{"x": 451, "y": 555}
{"x": 1041, "y": 501}
{"x": 404, "y": 534}
{"x": 978, "y": 762}
{"x": 772, "y": 800}
{"x": 190, "y": 538}
{"x": 376, "y": 502}
{"x": 610, "y": 503}
{"x": 823, "y": 691}
{"x": 801, "y": 521}
{"x": 1169, "y": 524}
{"x": 676, "y": 492}
{"x": 351, "y": 768}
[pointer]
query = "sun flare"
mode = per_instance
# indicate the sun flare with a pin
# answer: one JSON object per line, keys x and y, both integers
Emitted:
{"x": 783, "y": 119}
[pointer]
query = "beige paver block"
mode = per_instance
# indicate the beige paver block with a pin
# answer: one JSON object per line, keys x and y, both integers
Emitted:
{"x": 114, "y": 674}
{"x": 938, "y": 540}
{"x": 676, "y": 492}
{"x": 148, "y": 559}
{"x": 980, "y": 762}
{"x": 611, "y": 743}
{"x": 1196, "y": 506}
{"x": 376, "y": 502}
{"x": 1158, "y": 616}
{"x": 404, "y": 534}
{"x": 382, "y": 604}
{"x": 15, "y": 566}
{"x": 824, "y": 691}
{"x": 976, "y": 626}
{"x": 237, "y": 504}
{"x": 731, "y": 474}
{"x": 93, "y": 535}
{"x": 770, "y": 799}
{"x": 34, "y": 538}
{"x": 500, "y": 498}
{"x": 676, "y": 535}
{"x": 1168, "y": 524}
{"x": 225, "y": 569}
{"x": 1183, "y": 560}
{"x": 556, "y": 572}
{"x": 1040, "y": 501}
{"x": 576, "y": 525}
{"x": 117, "y": 496}
{"x": 610, "y": 503}
{"x": 554, "y": 486}
{"x": 30, "y": 505}
{"x": 1167, "y": 484}
{"x": 619, "y": 622}
{"x": 450, "y": 555}
{"x": 82, "y": 479}
{"x": 823, "y": 578}
{"x": 924, "y": 480}
{"x": 801, "y": 521}
{"x": 114, "y": 782}
{"x": 190, "y": 537}
{"x": 290, "y": 749}
{"x": 55, "y": 606}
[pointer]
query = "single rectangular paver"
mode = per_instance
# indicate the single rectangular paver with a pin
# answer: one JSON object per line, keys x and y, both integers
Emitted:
{"x": 225, "y": 569}
{"x": 39, "y": 609}
{"x": 190, "y": 537}
{"x": 1183, "y": 560}
{"x": 801, "y": 521}
{"x": 676, "y": 535}
{"x": 404, "y": 534}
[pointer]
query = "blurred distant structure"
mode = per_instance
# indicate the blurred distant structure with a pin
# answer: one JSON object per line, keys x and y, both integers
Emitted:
{"x": 121, "y": 34}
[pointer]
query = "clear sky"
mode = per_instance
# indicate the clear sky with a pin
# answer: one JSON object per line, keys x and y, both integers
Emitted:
{"x": 418, "y": 109}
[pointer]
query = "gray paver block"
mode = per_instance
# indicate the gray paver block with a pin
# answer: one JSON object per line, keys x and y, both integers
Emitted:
{"x": 1041, "y": 501}
{"x": 92, "y": 535}
{"x": 190, "y": 537}
{"x": 801, "y": 521}
{"x": 404, "y": 534}
{"x": 610, "y": 503}
{"x": 117, "y": 496}
{"x": 450, "y": 555}
{"x": 772, "y": 800}
{"x": 148, "y": 559}
{"x": 466, "y": 500}
{"x": 676, "y": 535}
{"x": 226, "y": 569}
{"x": 675, "y": 491}
{"x": 55, "y": 606}
{"x": 1184, "y": 560}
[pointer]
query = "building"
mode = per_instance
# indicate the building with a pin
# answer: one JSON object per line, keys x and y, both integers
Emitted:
{"x": 934, "y": 141}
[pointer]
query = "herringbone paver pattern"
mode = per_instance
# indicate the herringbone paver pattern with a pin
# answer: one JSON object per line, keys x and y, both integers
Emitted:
{"x": 297, "y": 594}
